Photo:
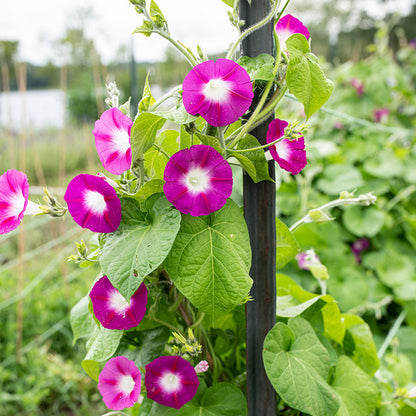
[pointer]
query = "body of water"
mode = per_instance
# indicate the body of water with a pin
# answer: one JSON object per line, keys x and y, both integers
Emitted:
{"x": 33, "y": 109}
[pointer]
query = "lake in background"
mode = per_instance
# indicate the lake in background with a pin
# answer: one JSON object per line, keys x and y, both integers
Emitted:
{"x": 33, "y": 109}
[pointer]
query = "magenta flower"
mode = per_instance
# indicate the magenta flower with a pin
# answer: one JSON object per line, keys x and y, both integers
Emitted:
{"x": 307, "y": 259}
{"x": 112, "y": 140}
{"x": 14, "y": 202}
{"x": 358, "y": 86}
{"x": 220, "y": 91}
{"x": 171, "y": 381}
{"x": 381, "y": 115}
{"x": 112, "y": 310}
{"x": 288, "y": 26}
{"x": 289, "y": 154}
{"x": 358, "y": 246}
{"x": 198, "y": 180}
{"x": 93, "y": 203}
{"x": 119, "y": 383}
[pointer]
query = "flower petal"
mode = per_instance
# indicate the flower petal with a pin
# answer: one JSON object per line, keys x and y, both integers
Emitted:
{"x": 198, "y": 180}
{"x": 14, "y": 192}
{"x": 112, "y": 310}
{"x": 220, "y": 91}
{"x": 119, "y": 383}
{"x": 93, "y": 203}
{"x": 171, "y": 381}
{"x": 288, "y": 26}
{"x": 112, "y": 140}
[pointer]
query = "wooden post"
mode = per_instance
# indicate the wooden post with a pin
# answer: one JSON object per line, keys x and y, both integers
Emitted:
{"x": 260, "y": 211}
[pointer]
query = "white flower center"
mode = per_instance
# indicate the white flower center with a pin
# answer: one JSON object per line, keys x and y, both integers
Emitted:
{"x": 216, "y": 90}
{"x": 95, "y": 202}
{"x": 126, "y": 384}
{"x": 117, "y": 302}
{"x": 121, "y": 140}
{"x": 197, "y": 180}
{"x": 17, "y": 203}
{"x": 170, "y": 382}
{"x": 283, "y": 149}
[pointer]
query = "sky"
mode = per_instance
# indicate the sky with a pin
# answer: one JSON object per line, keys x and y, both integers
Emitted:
{"x": 39, "y": 24}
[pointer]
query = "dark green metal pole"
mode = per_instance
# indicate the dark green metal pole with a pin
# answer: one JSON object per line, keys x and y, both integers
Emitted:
{"x": 259, "y": 211}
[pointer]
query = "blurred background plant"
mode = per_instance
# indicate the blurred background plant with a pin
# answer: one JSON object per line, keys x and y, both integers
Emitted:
{"x": 362, "y": 141}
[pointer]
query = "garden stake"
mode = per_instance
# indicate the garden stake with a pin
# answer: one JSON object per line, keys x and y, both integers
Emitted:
{"x": 259, "y": 211}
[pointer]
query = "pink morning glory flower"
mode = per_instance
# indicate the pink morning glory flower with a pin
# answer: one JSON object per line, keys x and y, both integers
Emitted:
{"x": 358, "y": 86}
{"x": 381, "y": 115}
{"x": 112, "y": 140}
{"x": 112, "y": 310}
{"x": 219, "y": 91}
{"x": 171, "y": 381}
{"x": 307, "y": 259}
{"x": 93, "y": 203}
{"x": 358, "y": 246}
{"x": 119, "y": 383}
{"x": 202, "y": 366}
{"x": 198, "y": 180}
{"x": 289, "y": 154}
{"x": 288, "y": 26}
{"x": 14, "y": 202}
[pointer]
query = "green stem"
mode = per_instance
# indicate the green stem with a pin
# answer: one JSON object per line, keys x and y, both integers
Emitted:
{"x": 178, "y": 301}
{"x": 253, "y": 117}
{"x": 153, "y": 318}
{"x": 221, "y": 138}
{"x": 215, "y": 360}
{"x": 365, "y": 199}
{"x": 252, "y": 29}
{"x": 264, "y": 146}
{"x": 392, "y": 333}
{"x": 160, "y": 150}
{"x": 166, "y": 97}
{"x": 198, "y": 321}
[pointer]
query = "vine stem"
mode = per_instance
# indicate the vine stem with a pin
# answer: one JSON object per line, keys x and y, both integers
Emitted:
{"x": 264, "y": 146}
{"x": 252, "y": 29}
{"x": 166, "y": 97}
{"x": 392, "y": 333}
{"x": 253, "y": 117}
{"x": 365, "y": 199}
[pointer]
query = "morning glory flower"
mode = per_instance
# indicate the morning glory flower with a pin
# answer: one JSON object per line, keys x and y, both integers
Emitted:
{"x": 112, "y": 310}
{"x": 289, "y": 154}
{"x": 358, "y": 85}
{"x": 288, "y": 26}
{"x": 119, "y": 383}
{"x": 219, "y": 91}
{"x": 112, "y": 140}
{"x": 93, "y": 203}
{"x": 14, "y": 200}
{"x": 358, "y": 246}
{"x": 381, "y": 115}
{"x": 198, "y": 180}
{"x": 171, "y": 381}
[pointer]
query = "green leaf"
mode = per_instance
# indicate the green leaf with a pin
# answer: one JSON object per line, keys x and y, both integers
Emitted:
{"x": 363, "y": 221}
{"x": 101, "y": 346}
{"x": 154, "y": 186}
{"x": 222, "y": 399}
{"x": 286, "y": 245}
{"x": 228, "y": 2}
{"x": 143, "y": 133}
{"x": 359, "y": 345}
{"x": 177, "y": 115}
{"x": 338, "y": 178}
{"x": 156, "y": 14}
{"x": 253, "y": 162}
{"x": 210, "y": 260}
{"x": 211, "y": 141}
{"x": 154, "y": 160}
{"x": 304, "y": 77}
{"x": 297, "y": 365}
{"x": 140, "y": 244}
{"x": 81, "y": 320}
{"x": 145, "y": 29}
{"x": 147, "y": 97}
{"x": 259, "y": 68}
{"x": 359, "y": 395}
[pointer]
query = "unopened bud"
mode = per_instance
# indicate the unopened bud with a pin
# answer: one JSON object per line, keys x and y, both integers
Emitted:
{"x": 202, "y": 366}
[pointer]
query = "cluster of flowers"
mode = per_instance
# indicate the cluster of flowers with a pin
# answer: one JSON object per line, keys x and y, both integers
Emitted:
{"x": 198, "y": 181}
